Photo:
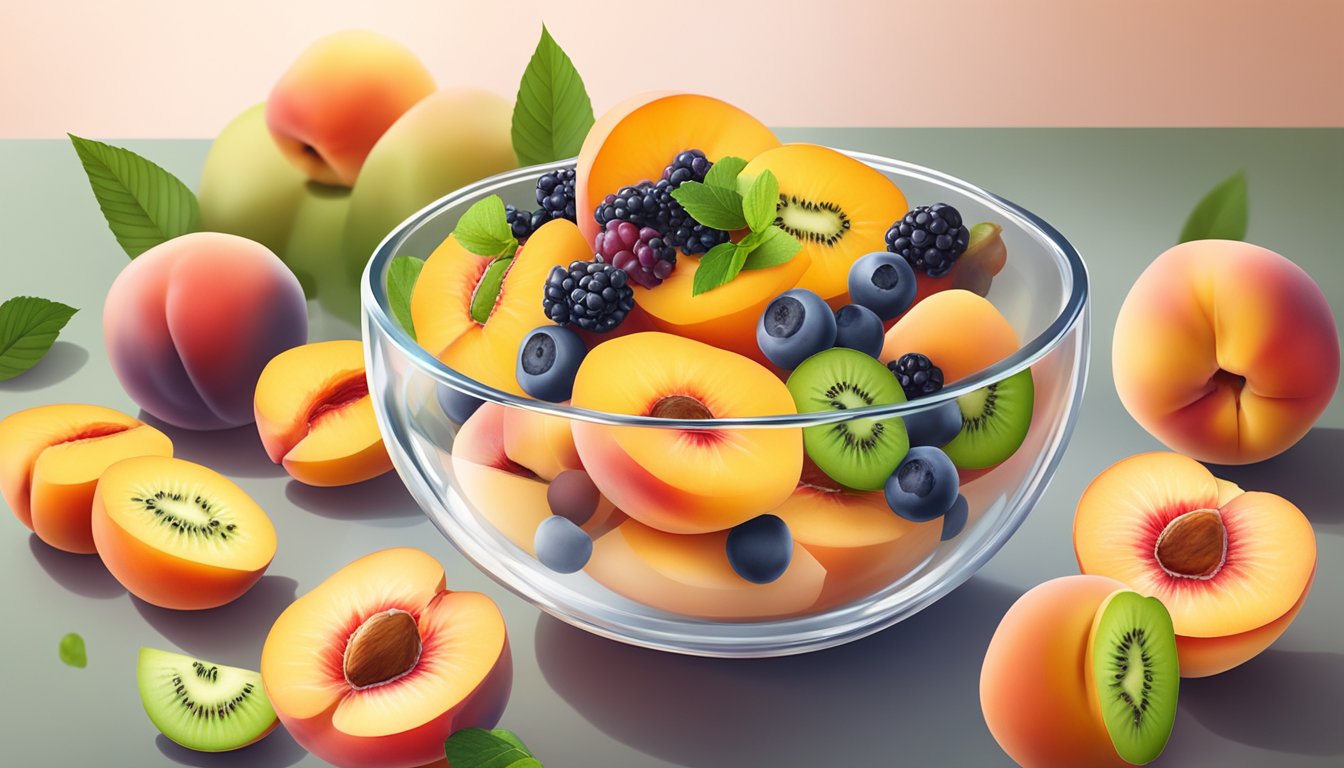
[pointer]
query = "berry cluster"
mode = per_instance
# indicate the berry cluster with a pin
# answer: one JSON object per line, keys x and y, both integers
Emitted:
{"x": 642, "y": 252}
{"x": 555, "y": 195}
{"x": 917, "y": 374}
{"x": 590, "y": 294}
{"x": 650, "y": 205}
{"x": 930, "y": 237}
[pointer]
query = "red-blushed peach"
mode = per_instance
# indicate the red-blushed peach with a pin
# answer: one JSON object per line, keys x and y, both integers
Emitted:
{"x": 315, "y": 417}
{"x": 190, "y": 324}
{"x": 179, "y": 535}
{"x": 339, "y": 97}
{"x": 380, "y": 663}
{"x": 51, "y": 458}
{"x": 1225, "y": 351}
{"x": 1232, "y": 568}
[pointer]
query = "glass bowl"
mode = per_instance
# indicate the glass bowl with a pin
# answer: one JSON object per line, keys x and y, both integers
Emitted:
{"x": 641, "y": 589}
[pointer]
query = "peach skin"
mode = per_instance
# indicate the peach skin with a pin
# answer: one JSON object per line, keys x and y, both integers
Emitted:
{"x": 1225, "y": 351}
{"x": 338, "y": 98}
{"x": 315, "y": 417}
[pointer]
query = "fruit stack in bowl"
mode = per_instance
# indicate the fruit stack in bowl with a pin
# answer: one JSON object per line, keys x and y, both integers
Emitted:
{"x": 691, "y": 267}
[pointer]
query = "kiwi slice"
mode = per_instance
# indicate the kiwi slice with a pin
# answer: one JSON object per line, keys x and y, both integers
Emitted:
{"x": 203, "y": 706}
{"x": 858, "y": 453}
{"x": 994, "y": 422}
{"x": 1134, "y": 673}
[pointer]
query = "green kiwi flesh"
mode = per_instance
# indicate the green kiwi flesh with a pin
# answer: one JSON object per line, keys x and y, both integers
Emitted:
{"x": 994, "y": 422}
{"x": 857, "y": 453}
{"x": 203, "y": 706}
{"x": 1132, "y": 655}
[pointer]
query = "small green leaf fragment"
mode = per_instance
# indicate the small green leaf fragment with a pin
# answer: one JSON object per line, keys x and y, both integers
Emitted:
{"x": 487, "y": 290}
{"x": 484, "y": 229}
{"x": 1222, "y": 214}
{"x": 760, "y": 206}
{"x": 401, "y": 276}
{"x": 478, "y": 748}
{"x": 723, "y": 174}
{"x": 72, "y": 651}
{"x": 716, "y": 268}
{"x": 776, "y": 247}
{"x": 28, "y": 327}
{"x": 712, "y": 206}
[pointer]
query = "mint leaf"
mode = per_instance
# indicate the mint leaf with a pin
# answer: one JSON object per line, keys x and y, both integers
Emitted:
{"x": 717, "y": 267}
{"x": 775, "y": 247}
{"x": 552, "y": 114}
{"x": 72, "y": 651}
{"x": 28, "y": 328}
{"x": 144, "y": 205}
{"x": 401, "y": 276}
{"x": 1222, "y": 214}
{"x": 715, "y": 207}
{"x": 724, "y": 173}
{"x": 484, "y": 230}
{"x": 478, "y": 748}
{"x": 760, "y": 206}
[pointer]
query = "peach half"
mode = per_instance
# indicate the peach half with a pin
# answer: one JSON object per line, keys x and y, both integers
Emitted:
{"x": 315, "y": 417}
{"x": 379, "y": 664}
{"x": 939, "y": 326}
{"x": 472, "y": 311}
{"x": 542, "y": 443}
{"x": 1233, "y": 569}
{"x": 1225, "y": 351}
{"x": 50, "y": 460}
{"x": 684, "y": 480}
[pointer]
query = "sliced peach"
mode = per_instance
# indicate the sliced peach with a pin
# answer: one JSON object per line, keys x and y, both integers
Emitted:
{"x": 690, "y": 575}
{"x": 1229, "y": 570}
{"x": 379, "y": 664}
{"x": 315, "y": 417}
{"x": 940, "y": 326}
{"x": 179, "y": 535}
{"x": 540, "y": 442}
{"x": 50, "y": 460}
{"x": 441, "y": 303}
{"x": 683, "y": 480}
{"x": 638, "y": 138}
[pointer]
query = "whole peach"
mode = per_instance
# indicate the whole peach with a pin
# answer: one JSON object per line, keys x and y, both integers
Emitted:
{"x": 1225, "y": 351}
{"x": 190, "y": 324}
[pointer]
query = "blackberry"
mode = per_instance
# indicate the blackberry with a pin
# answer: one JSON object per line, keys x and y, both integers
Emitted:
{"x": 691, "y": 165}
{"x": 555, "y": 194}
{"x": 917, "y": 375}
{"x": 642, "y": 252}
{"x": 524, "y": 223}
{"x": 590, "y": 294}
{"x": 647, "y": 204}
{"x": 930, "y": 237}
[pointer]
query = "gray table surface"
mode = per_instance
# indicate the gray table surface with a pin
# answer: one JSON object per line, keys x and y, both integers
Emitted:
{"x": 907, "y": 696}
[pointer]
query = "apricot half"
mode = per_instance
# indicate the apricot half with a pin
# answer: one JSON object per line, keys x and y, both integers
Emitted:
{"x": 379, "y": 664}
{"x": 941, "y": 326}
{"x": 1233, "y": 569}
{"x": 315, "y": 416}
{"x": 684, "y": 480}
{"x": 50, "y": 460}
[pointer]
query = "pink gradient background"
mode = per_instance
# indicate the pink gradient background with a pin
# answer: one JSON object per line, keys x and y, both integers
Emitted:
{"x": 167, "y": 68}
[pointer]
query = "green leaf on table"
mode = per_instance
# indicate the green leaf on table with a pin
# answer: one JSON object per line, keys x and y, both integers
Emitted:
{"x": 552, "y": 113}
{"x": 718, "y": 267}
{"x": 1222, "y": 214}
{"x": 760, "y": 206}
{"x": 479, "y": 748}
{"x": 28, "y": 328}
{"x": 775, "y": 247}
{"x": 716, "y": 207}
{"x": 484, "y": 229}
{"x": 144, "y": 205}
{"x": 723, "y": 174}
{"x": 401, "y": 276}
{"x": 72, "y": 651}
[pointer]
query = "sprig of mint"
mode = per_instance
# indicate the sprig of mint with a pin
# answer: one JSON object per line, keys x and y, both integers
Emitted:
{"x": 484, "y": 229}
{"x": 1222, "y": 214}
{"x": 478, "y": 748}
{"x": 72, "y": 651}
{"x": 401, "y": 276}
{"x": 28, "y": 328}
{"x": 552, "y": 113}
{"x": 144, "y": 205}
{"x": 718, "y": 203}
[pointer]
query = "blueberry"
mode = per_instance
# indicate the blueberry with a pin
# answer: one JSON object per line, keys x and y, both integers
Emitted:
{"x": 955, "y": 519}
{"x": 883, "y": 282}
{"x": 548, "y": 360}
{"x": 924, "y": 486}
{"x": 796, "y": 325}
{"x": 573, "y": 496}
{"x": 857, "y": 327}
{"x": 561, "y": 545}
{"x": 760, "y": 549}
{"x": 457, "y": 406}
{"x": 934, "y": 426}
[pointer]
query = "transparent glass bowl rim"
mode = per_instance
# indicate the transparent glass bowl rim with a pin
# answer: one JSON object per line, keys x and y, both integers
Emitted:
{"x": 375, "y": 299}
